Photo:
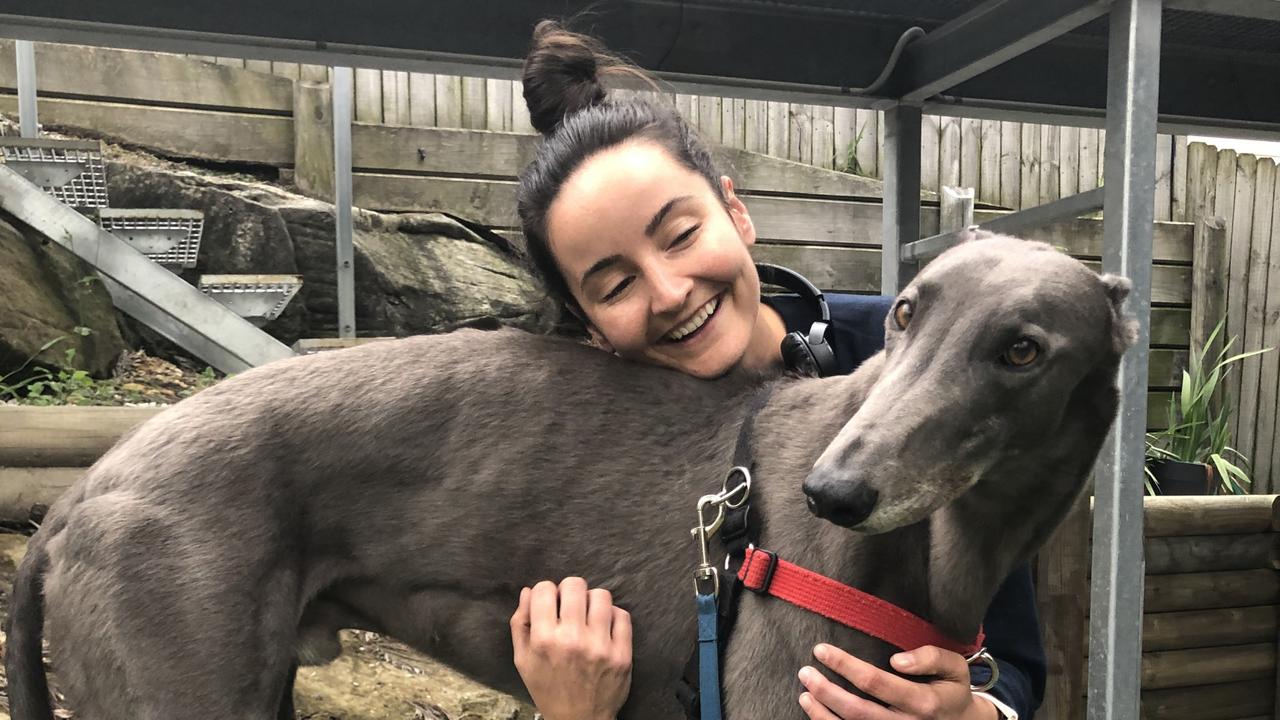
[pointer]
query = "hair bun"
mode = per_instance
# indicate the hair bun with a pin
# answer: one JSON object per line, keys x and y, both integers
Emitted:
{"x": 562, "y": 75}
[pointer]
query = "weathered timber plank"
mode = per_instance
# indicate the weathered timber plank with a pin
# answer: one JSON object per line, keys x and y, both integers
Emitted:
{"x": 129, "y": 76}
{"x": 202, "y": 134}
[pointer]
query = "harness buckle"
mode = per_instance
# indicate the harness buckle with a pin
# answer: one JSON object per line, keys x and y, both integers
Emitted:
{"x": 763, "y": 587}
{"x": 983, "y": 657}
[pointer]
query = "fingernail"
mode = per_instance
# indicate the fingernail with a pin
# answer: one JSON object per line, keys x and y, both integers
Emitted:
{"x": 806, "y": 700}
{"x": 822, "y": 652}
{"x": 902, "y": 661}
{"x": 806, "y": 674}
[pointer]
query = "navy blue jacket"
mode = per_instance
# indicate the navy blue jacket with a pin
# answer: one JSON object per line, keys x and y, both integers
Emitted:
{"x": 1011, "y": 624}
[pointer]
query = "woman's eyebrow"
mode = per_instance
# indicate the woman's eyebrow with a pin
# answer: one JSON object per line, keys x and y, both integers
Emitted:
{"x": 652, "y": 227}
{"x": 599, "y": 265}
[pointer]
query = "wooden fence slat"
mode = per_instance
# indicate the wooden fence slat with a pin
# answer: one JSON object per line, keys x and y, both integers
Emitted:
{"x": 448, "y": 101}
{"x": 1228, "y": 701}
{"x": 23, "y": 488}
{"x": 474, "y": 104}
{"x": 1029, "y": 188}
{"x": 867, "y": 143}
{"x": 520, "y": 121}
{"x": 1011, "y": 164}
{"x": 1241, "y": 231}
{"x": 757, "y": 126}
{"x": 1211, "y": 553}
{"x": 687, "y": 106}
{"x": 1164, "y": 177}
{"x": 291, "y": 70}
{"x": 800, "y": 144}
{"x": 1255, "y": 305}
{"x": 315, "y": 73}
{"x": 989, "y": 172}
{"x": 1208, "y": 628}
{"x": 1206, "y": 666}
{"x": 497, "y": 100}
{"x": 1179, "y": 199}
{"x": 779, "y": 124}
{"x": 368, "y": 96}
{"x": 824, "y": 141}
{"x": 1069, "y": 161}
{"x": 971, "y": 154}
{"x": 1049, "y": 159}
{"x": 259, "y": 66}
{"x": 949, "y": 156}
{"x": 1168, "y": 515}
{"x": 422, "y": 99}
{"x": 844, "y": 133}
{"x": 395, "y": 97}
{"x": 733, "y": 113}
{"x": 930, "y": 151}
{"x": 1090, "y": 158}
{"x": 1062, "y": 593}
{"x": 231, "y": 62}
{"x": 1204, "y": 591}
{"x": 709, "y": 118}
{"x": 1267, "y": 454}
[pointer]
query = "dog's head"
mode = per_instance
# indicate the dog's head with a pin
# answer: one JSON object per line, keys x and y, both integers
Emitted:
{"x": 1002, "y": 353}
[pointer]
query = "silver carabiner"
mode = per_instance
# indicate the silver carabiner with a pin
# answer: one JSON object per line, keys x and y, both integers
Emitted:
{"x": 984, "y": 657}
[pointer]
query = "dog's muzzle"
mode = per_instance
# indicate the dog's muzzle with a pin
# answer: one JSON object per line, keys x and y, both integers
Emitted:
{"x": 843, "y": 503}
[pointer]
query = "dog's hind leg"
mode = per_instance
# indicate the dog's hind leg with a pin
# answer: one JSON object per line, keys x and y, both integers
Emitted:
{"x": 153, "y": 614}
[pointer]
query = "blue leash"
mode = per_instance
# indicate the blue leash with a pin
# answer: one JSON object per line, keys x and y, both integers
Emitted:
{"x": 708, "y": 658}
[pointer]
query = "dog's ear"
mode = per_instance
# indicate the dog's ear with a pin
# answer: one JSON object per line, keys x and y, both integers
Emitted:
{"x": 1124, "y": 327}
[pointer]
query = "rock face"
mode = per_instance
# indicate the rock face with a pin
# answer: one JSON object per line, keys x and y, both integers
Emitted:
{"x": 415, "y": 273}
{"x": 48, "y": 293}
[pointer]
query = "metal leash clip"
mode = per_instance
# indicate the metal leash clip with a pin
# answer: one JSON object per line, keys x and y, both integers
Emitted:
{"x": 706, "y": 580}
{"x": 984, "y": 657}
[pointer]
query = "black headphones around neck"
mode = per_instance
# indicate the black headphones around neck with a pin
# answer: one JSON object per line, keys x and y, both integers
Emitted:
{"x": 811, "y": 354}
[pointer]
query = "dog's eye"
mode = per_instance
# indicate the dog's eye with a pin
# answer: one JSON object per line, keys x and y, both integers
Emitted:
{"x": 902, "y": 314}
{"x": 1022, "y": 353}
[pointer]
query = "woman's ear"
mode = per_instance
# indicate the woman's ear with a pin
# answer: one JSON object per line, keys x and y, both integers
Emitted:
{"x": 738, "y": 212}
{"x": 599, "y": 340}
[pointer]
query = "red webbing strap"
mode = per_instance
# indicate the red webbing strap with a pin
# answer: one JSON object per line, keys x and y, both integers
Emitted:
{"x": 846, "y": 605}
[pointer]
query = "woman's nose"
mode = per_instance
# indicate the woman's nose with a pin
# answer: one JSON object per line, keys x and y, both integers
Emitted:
{"x": 670, "y": 291}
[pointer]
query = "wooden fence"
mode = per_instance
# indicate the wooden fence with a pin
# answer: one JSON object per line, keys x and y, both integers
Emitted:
{"x": 1009, "y": 164}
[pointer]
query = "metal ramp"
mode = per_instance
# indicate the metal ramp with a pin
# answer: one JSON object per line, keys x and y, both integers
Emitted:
{"x": 140, "y": 287}
{"x": 70, "y": 170}
{"x": 256, "y": 298}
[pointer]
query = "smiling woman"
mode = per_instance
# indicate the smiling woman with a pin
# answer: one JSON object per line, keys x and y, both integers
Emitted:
{"x": 632, "y": 228}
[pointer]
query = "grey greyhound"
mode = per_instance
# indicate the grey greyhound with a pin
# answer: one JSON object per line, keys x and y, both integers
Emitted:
{"x": 412, "y": 487}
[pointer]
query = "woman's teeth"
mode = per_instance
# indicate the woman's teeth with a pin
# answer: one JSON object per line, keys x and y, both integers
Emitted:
{"x": 696, "y": 321}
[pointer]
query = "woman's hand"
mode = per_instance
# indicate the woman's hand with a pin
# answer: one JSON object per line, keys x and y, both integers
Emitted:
{"x": 946, "y": 697}
{"x": 576, "y": 663}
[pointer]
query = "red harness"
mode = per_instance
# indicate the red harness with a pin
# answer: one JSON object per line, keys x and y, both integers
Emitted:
{"x": 766, "y": 573}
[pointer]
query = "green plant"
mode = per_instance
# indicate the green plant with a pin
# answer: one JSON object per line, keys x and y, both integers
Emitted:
{"x": 12, "y": 391}
{"x": 1198, "y": 428}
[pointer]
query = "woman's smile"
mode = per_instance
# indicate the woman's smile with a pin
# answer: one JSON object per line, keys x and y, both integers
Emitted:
{"x": 695, "y": 327}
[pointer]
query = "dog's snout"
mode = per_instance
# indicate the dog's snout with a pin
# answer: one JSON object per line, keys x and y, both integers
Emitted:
{"x": 843, "y": 503}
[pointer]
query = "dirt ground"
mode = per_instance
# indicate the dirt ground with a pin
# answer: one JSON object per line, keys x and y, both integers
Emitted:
{"x": 375, "y": 677}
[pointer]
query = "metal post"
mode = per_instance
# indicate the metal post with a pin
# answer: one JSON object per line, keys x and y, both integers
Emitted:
{"x": 901, "y": 223}
{"x": 343, "y": 84}
{"x": 1115, "y": 623}
{"x": 26, "y": 67}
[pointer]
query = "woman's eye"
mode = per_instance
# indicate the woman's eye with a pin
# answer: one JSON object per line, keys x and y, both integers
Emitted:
{"x": 1022, "y": 353}
{"x": 902, "y": 314}
{"x": 617, "y": 289}
{"x": 684, "y": 237}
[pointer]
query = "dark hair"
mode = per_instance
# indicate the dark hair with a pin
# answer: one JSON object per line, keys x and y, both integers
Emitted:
{"x": 571, "y": 107}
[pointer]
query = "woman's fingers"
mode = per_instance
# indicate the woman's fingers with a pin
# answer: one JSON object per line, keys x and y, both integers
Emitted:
{"x": 929, "y": 660}
{"x": 839, "y": 702}
{"x": 898, "y": 692}
{"x": 573, "y": 601}
{"x": 543, "y": 600}
{"x": 599, "y": 615}
{"x": 520, "y": 624}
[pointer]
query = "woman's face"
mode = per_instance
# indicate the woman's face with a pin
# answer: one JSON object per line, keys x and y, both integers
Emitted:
{"x": 661, "y": 270}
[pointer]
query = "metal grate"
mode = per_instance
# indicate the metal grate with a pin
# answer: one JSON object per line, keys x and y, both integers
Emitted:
{"x": 256, "y": 298}
{"x": 168, "y": 237}
{"x": 70, "y": 170}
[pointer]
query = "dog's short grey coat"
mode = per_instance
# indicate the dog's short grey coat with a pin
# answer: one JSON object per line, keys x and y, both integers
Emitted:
{"x": 413, "y": 487}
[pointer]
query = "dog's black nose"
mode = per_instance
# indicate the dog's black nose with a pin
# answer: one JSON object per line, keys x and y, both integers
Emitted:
{"x": 835, "y": 504}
